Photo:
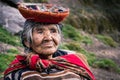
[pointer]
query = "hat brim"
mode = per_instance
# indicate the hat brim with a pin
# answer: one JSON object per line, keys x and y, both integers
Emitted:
{"x": 43, "y": 16}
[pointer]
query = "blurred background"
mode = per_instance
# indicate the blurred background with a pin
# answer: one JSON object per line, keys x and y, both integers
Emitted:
{"x": 92, "y": 28}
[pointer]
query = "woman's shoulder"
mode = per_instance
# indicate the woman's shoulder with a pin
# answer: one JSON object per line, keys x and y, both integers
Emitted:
{"x": 80, "y": 55}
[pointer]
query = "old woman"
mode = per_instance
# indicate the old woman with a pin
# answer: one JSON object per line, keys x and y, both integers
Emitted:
{"x": 43, "y": 60}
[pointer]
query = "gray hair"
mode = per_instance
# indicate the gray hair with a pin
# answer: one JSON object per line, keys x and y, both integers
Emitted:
{"x": 26, "y": 34}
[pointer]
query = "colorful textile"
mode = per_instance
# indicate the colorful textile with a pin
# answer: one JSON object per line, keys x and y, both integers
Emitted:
{"x": 69, "y": 62}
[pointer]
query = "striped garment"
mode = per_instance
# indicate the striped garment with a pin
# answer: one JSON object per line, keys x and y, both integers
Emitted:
{"x": 63, "y": 67}
{"x": 27, "y": 74}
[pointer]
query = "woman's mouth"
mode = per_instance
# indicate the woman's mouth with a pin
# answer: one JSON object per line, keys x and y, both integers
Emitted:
{"x": 47, "y": 45}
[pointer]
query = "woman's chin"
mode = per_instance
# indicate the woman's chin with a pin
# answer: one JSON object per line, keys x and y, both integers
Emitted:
{"x": 47, "y": 51}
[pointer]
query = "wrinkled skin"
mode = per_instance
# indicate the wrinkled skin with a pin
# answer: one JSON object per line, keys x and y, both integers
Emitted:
{"x": 45, "y": 40}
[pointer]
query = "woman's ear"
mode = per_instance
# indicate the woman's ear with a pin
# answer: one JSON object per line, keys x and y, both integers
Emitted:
{"x": 27, "y": 44}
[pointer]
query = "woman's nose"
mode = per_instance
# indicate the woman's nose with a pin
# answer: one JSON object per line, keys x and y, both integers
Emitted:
{"x": 48, "y": 35}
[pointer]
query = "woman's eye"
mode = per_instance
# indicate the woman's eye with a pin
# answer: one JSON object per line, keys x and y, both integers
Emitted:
{"x": 40, "y": 31}
{"x": 53, "y": 31}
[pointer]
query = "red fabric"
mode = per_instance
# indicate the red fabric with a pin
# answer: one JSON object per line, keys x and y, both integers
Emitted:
{"x": 33, "y": 61}
{"x": 46, "y": 63}
{"x": 74, "y": 59}
{"x": 71, "y": 58}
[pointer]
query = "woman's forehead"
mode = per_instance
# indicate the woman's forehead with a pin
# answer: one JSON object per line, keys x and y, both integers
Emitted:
{"x": 45, "y": 26}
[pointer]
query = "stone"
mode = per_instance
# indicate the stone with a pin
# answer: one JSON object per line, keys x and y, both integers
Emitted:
{"x": 10, "y": 18}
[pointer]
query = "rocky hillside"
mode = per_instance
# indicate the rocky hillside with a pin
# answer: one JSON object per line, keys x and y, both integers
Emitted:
{"x": 94, "y": 16}
{"x": 10, "y": 18}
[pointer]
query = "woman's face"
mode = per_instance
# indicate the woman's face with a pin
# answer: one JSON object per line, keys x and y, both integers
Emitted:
{"x": 45, "y": 39}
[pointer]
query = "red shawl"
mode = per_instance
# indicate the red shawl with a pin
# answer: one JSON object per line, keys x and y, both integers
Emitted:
{"x": 64, "y": 62}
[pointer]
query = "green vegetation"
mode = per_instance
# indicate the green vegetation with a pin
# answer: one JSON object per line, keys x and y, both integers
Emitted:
{"x": 104, "y": 63}
{"x": 13, "y": 51}
{"x": 107, "y": 40}
{"x": 73, "y": 34}
{"x": 8, "y": 38}
{"x": 87, "y": 40}
{"x": 107, "y": 64}
{"x": 5, "y": 59}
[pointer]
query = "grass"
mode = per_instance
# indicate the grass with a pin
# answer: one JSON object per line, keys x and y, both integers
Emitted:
{"x": 8, "y": 38}
{"x": 74, "y": 34}
{"x": 70, "y": 32}
{"x": 86, "y": 40}
{"x": 107, "y": 40}
{"x": 5, "y": 59}
{"x": 104, "y": 63}
{"x": 107, "y": 64}
{"x": 12, "y": 51}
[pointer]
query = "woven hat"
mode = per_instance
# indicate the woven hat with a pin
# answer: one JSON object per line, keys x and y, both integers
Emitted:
{"x": 44, "y": 13}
